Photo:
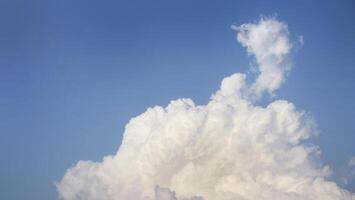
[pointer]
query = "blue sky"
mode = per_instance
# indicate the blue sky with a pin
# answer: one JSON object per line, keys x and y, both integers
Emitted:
{"x": 72, "y": 73}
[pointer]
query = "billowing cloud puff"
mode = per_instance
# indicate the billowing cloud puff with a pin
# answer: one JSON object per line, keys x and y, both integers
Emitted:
{"x": 268, "y": 41}
{"x": 229, "y": 149}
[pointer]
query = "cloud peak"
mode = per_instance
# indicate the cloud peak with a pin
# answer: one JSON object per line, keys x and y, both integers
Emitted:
{"x": 268, "y": 42}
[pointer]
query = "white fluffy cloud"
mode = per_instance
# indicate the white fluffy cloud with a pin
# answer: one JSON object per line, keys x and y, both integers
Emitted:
{"x": 268, "y": 41}
{"x": 229, "y": 149}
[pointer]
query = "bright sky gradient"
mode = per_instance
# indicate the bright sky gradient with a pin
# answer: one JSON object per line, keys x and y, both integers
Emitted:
{"x": 72, "y": 73}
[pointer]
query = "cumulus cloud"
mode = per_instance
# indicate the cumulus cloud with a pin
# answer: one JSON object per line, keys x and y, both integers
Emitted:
{"x": 229, "y": 149}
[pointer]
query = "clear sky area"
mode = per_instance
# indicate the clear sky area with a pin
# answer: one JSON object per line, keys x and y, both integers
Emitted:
{"x": 73, "y": 73}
